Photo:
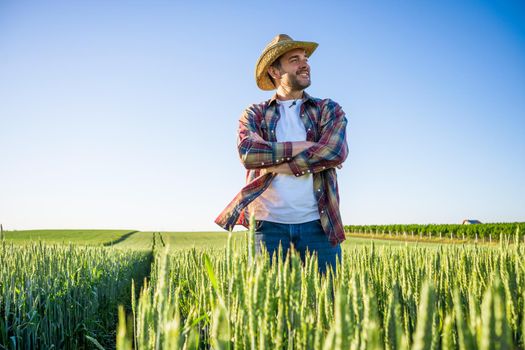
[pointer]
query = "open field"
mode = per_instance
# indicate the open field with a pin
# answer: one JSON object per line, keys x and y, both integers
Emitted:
{"x": 382, "y": 297}
{"x": 208, "y": 291}
{"x": 178, "y": 240}
{"x": 143, "y": 240}
{"x": 56, "y": 296}
{"x": 88, "y": 237}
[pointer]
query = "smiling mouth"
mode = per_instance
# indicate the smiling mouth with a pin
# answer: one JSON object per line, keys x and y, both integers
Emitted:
{"x": 304, "y": 75}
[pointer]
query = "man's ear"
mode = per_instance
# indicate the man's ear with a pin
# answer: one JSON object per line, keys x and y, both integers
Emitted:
{"x": 274, "y": 72}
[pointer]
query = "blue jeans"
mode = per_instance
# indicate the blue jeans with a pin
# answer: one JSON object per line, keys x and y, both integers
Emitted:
{"x": 308, "y": 235}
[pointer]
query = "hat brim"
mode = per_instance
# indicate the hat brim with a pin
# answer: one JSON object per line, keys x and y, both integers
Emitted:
{"x": 271, "y": 54}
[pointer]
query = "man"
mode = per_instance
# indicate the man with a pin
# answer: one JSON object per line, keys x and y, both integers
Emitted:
{"x": 291, "y": 146}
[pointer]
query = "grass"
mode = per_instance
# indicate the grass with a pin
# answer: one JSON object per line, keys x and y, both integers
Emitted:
{"x": 360, "y": 240}
{"x": 52, "y": 296}
{"x": 386, "y": 294}
{"x": 140, "y": 241}
{"x": 184, "y": 240}
{"x": 213, "y": 282}
{"x": 179, "y": 240}
{"x": 143, "y": 240}
{"x": 84, "y": 236}
{"x": 421, "y": 241}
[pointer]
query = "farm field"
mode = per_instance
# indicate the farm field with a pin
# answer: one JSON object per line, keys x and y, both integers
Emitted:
{"x": 88, "y": 237}
{"x": 454, "y": 297}
{"x": 478, "y": 232}
{"x": 61, "y": 296}
{"x": 143, "y": 240}
{"x": 209, "y": 291}
{"x": 178, "y": 240}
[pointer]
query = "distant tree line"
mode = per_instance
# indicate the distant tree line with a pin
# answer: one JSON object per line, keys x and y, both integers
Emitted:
{"x": 490, "y": 231}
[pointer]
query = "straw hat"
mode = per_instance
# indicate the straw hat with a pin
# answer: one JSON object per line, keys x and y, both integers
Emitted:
{"x": 279, "y": 45}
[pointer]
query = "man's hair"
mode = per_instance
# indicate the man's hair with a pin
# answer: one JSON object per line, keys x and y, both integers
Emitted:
{"x": 276, "y": 64}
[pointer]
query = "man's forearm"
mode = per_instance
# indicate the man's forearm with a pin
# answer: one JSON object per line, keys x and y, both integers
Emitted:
{"x": 284, "y": 168}
{"x": 299, "y": 146}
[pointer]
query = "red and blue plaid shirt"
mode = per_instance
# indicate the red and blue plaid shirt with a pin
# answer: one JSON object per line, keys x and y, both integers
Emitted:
{"x": 325, "y": 124}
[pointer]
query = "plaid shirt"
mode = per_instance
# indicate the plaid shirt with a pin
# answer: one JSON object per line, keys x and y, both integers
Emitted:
{"x": 325, "y": 124}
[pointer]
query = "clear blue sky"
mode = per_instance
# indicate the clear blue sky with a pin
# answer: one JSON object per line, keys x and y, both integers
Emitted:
{"x": 121, "y": 114}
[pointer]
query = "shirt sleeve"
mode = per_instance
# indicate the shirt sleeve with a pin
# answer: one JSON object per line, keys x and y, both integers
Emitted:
{"x": 254, "y": 151}
{"x": 331, "y": 149}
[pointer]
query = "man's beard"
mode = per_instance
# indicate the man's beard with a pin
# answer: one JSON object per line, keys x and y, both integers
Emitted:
{"x": 297, "y": 85}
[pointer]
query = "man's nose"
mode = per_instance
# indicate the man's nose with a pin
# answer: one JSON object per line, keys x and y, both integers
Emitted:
{"x": 304, "y": 64}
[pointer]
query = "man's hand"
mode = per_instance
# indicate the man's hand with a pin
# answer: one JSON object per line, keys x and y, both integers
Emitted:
{"x": 256, "y": 137}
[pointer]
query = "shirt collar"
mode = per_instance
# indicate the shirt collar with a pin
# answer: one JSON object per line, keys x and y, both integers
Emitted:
{"x": 305, "y": 98}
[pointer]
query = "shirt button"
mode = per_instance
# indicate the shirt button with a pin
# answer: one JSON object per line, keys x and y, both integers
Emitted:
{"x": 318, "y": 190}
{"x": 287, "y": 158}
{"x": 262, "y": 163}
{"x": 303, "y": 172}
{"x": 324, "y": 167}
{"x": 322, "y": 211}
{"x": 297, "y": 174}
{"x": 308, "y": 170}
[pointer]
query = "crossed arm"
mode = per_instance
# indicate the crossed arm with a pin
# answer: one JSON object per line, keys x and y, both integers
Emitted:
{"x": 284, "y": 168}
{"x": 295, "y": 158}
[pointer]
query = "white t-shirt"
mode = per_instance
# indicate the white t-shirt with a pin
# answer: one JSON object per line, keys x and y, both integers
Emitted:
{"x": 288, "y": 199}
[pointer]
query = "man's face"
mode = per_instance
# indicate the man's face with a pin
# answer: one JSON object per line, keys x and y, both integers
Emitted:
{"x": 295, "y": 70}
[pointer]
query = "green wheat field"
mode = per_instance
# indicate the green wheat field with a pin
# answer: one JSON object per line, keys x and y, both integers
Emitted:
{"x": 397, "y": 287}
